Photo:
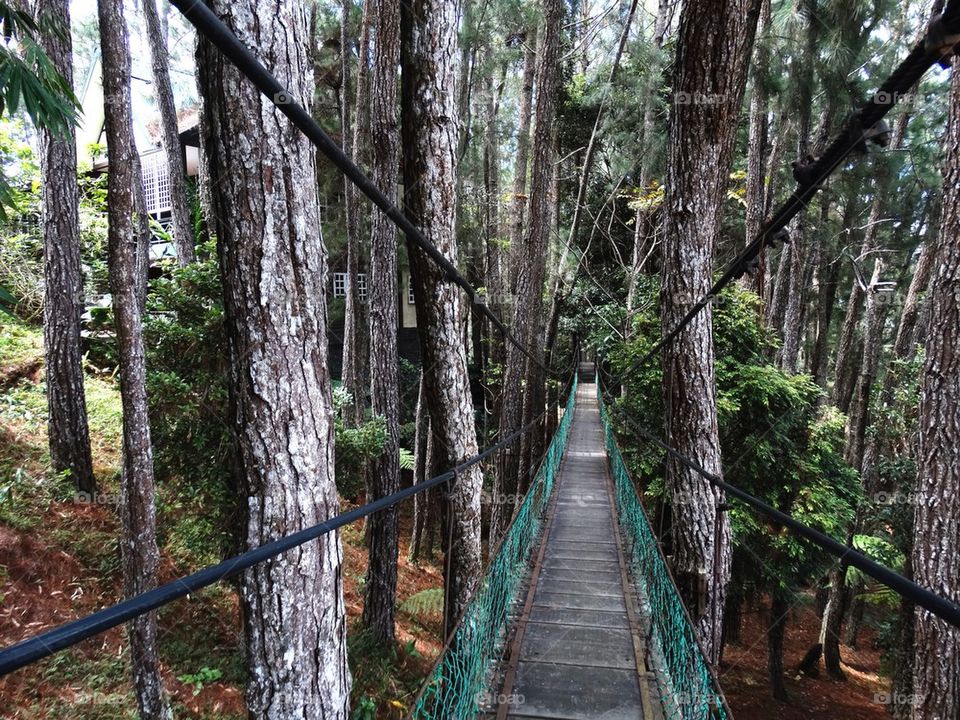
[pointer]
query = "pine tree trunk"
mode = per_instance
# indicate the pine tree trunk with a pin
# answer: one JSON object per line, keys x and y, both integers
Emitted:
{"x": 833, "y": 620}
{"x": 828, "y": 281}
{"x": 779, "y": 292}
{"x": 430, "y": 126}
{"x": 274, "y": 272}
{"x": 169, "y": 135}
{"x": 793, "y": 310}
{"x": 139, "y": 552}
{"x": 714, "y": 34}
{"x": 936, "y": 676}
{"x": 204, "y": 185}
{"x": 847, "y": 350}
{"x": 779, "y": 608}
{"x": 519, "y": 200}
{"x": 758, "y": 149}
{"x": 901, "y": 687}
{"x": 420, "y": 442}
{"x": 354, "y": 357}
{"x": 383, "y": 477}
{"x": 644, "y": 223}
{"x": 67, "y": 432}
{"x": 529, "y": 258}
{"x": 493, "y": 270}
{"x": 859, "y": 413}
{"x": 906, "y": 339}
{"x": 851, "y": 631}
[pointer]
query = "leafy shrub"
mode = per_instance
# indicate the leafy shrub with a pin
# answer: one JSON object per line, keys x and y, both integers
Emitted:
{"x": 778, "y": 441}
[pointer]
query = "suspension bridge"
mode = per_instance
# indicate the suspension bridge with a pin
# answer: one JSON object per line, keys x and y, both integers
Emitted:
{"x": 576, "y": 615}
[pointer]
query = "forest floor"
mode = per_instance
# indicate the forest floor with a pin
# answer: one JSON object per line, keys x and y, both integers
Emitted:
{"x": 59, "y": 560}
{"x": 743, "y": 675}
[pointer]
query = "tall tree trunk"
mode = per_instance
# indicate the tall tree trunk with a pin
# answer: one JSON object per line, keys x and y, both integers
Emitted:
{"x": 776, "y": 631}
{"x": 901, "y": 686}
{"x": 430, "y": 126}
{"x": 274, "y": 272}
{"x": 169, "y": 135}
{"x": 758, "y": 148}
{"x": 140, "y": 555}
{"x": 847, "y": 349}
{"x": 519, "y": 195}
{"x": 936, "y": 675}
{"x": 832, "y": 621}
{"x": 383, "y": 477}
{"x": 356, "y": 146}
{"x": 859, "y": 415}
{"x": 792, "y": 329}
{"x": 644, "y": 219}
{"x": 530, "y": 269}
{"x": 493, "y": 241}
{"x": 67, "y": 433}
{"x": 701, "y": 139}
{"x": 779, "y": 292}
{"x": 828, "y": 281}
{"x": 420, "y": 442}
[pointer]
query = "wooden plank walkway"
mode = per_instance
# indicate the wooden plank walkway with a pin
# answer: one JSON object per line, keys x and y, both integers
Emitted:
{"x": 577, "y": 652}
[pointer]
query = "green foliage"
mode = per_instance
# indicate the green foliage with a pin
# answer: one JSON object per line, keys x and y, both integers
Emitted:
{"x": 194, "y": 446}
{"x": 203, "y": 676}
{"x": 29, "y": 79}
{"x": 382, "y": 675}
{"x": 777, "y": 441}
{"x": 188, "y": 387}
{"x": 425, "y": 602}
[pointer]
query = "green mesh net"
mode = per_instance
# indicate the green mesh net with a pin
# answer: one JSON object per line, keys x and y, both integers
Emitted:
{"x": 459, "y": 683}
{"x": 686, "y": 687}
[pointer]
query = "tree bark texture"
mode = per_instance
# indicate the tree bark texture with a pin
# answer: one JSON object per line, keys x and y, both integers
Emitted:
{"x": 169, "y": 135}
{"x": 355, "y": 144}
{"x": 828, "y": 282}
{"x": 274, "y": 271}
{"x": 67, "y": 432}
{"x": 529, "y": 260}
{"x": 792, "y": 328}
{"x": 383, "y": 477}
{"x": 519, "y": 196}
{"x": 779, "y": 610}
{"x": 714, "y": 44}
{"x": 936, "y": 674}
{"x": 420, "y": 443}
{"x": 139, "y": 553}
{"x": 430, "y": 129}
{"x": 758, "y": 148}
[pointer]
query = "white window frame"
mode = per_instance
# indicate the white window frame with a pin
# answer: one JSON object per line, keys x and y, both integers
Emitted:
{"x": 340, "y": 282}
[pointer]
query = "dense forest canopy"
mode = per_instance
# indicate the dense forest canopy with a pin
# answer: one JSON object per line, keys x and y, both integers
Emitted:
{"x": 211, "y": 339}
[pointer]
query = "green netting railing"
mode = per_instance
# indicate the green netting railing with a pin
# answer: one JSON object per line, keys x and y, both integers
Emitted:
{"x": 687, "y": 688}
{"x": 459, "y": 682}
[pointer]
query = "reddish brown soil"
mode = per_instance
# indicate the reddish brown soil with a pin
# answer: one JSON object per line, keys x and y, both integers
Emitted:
{"x": 42, "y": 585}
{"x": 743, "y": 675}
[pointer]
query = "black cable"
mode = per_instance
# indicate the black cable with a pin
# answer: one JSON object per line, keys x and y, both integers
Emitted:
{"x": 45, "y": 644}
{"x": 213, "y": 29}
{"x": 811, "y": 176}
{"x": 924, "y": 597}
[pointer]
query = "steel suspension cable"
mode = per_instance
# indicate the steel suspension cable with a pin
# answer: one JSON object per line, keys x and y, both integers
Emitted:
{"x": 45, "y": 644}
{"x": 924, "y": 597}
